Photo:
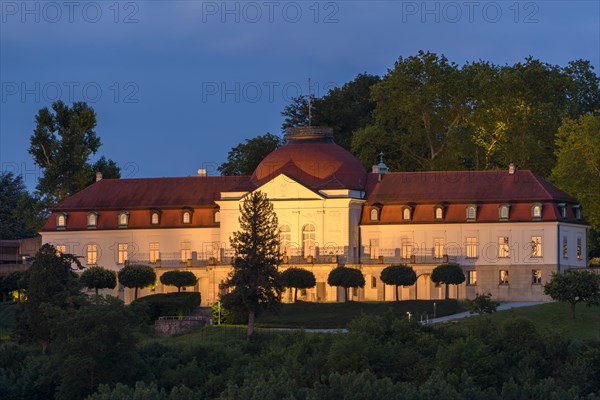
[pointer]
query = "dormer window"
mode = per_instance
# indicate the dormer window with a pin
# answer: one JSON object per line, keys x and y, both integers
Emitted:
{"x": 61, "y": 220}
{"x": 92, "y": 220}
{"x": 155, "y": 218}
{"x": 577, "y": 209}
{"x": 123, "y": 219}
{"x": 217, "y": 216}
{"x": 536, "y": 211}
{"x": 406, "y": 213}
{"x": 438, "y": 213}
{"x": 186, "y": 217}
{"x": 503, "y": 212}
{"x": 563, "y": 210}
{"x": 374, "y": 214}
{"x": 472, "y": 212}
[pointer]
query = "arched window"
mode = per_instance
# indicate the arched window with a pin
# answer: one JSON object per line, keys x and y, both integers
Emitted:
{"x": 123, "y": 218}
{"x": 61, "y": 220}
{"x": 406, "y": 213}
{"x": 92, "y": 219}
{"x": 217, "y": 216}
{"x": 187, "y": 217}
{"x": 536, "y": 211}
{"x": 155, "y": 219}
{"x": 308, "y": 240}
{"x": 471, "y": 212}
{"x": 503, "y": 212}
{"x": 439, "y": 213}
{"x": 374, "y": 214}
{"x": 285, "y": 239}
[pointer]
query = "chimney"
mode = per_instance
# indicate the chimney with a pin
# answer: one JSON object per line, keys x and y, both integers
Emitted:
{"x": 512, "y": 168}
{"x": 98, "y": 176}
{"x": 202, "y": 172}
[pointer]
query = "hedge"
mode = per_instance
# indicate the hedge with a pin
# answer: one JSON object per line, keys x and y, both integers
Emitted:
{"x": 171, "y": 304}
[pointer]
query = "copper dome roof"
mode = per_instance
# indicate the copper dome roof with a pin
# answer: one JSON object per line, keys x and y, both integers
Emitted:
{"x": 312, "y": 158}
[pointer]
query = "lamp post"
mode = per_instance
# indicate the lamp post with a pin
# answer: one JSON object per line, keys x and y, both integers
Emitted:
{"x": 434, "y": 306}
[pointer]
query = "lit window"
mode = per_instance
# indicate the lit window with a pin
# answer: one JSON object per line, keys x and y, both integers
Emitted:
{"x": 155, "y": 218}
{"x": 503, "y": 277}
{"x": 92, "y": 220}
{"x": 374, "y": 214}
{"x": 92, "y": 254}
{"x": 472, "y": 278}
{"x": 579, "y": 252}
{"x": 61, "y": 249}
{"x": 565, "y": 247}
{"x": 439, "y": 213}
{"x": 536, "y": 276}
{"x": 61, "y": 220}
{"x": 374, "y": 248}
{"x": 406, "y": 213}
{"x": 536, "y": 246}
{"x": 154, "y": 252}
{"x": 373, "y": 282}
{"x": 503, "y": 249}
{"x": 471, "y": 247}
{"x": 187, "y": 217}
{"x": 504, "y": 212}
{"x": 471, "y": 213}
{"x": 123, "y": 218}
{"x": 406, "y": 249}
{"x": 186, "y": 251}
{"x": 438, "y": 247}
{"x": 285, "y": 239}
{"x": 217, "y": 216}
{"x": 308, "y": 240}
{"x": 123, "y": 256}
{"x": 536, "y": 211}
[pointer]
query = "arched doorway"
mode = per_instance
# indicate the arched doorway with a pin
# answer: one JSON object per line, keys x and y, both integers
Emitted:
{"x": 423, "y": 287}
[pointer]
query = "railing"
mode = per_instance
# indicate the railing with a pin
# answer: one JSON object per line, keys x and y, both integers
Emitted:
{"x": 182, "y": 318}
{"x": 397, "y": 256}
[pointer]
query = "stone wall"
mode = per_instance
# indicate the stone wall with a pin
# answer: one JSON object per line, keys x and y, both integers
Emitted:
{"x": 168, "y": 326}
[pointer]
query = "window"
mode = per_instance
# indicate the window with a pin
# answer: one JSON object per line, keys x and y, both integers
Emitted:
{"x": 579, "y": 252}
{"x": 471, "y": 278}
{"x": 406, "y": 249}
{"x": 536, "y": 246}
{"x": 308, "y": 240}
{"x": 155, "y": 218}
{"x": 503, "y": 277}
{"x": 122, "y": 255}
{"x": 536, "y": 276}
{"x": 123, "y": 219}
{"x": 439, "y": 213}
{"x": 61, "y": 220}
{"x": 577, "y": 210}
{"x": 187, "y": 217}
{"x": 61, "y": 249}
{"x": 186, "y": 251}
{"x": 406, "y": 213}
{"x": 471, "y": 212}
{"x": 92, "y": 254}
{"x": 373, "y": 282}
{"x": 92, "y": 220}
{"x": 374, "y": 214}
{"x": 503, "y": 212}
{"x": 563, "y": 210}
{"x": 503, "y": 249}
{"x": 471, "y": 247}
{"x": 565, "y": 247}
{"x": 438, "y": 247}
{"x": 154, "y": 252}
{"x": 536, "y": 211}
{"x": 217, "y": 216}
{"x": 374, "y": 248}
{"x": 285, "y": 239}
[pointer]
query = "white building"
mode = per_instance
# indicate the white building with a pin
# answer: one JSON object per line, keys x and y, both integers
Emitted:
{"x": 509, "y": 230}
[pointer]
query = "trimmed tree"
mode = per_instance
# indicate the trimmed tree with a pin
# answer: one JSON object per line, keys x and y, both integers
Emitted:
{"x": 178, "y": 279}
{"x": 298, "y": 278}
{"x": 137, "y": 276}
{"x": 448, "y": 274}
{"x": 574, "y": 286}
{"x": 255, "y": 280}
{"x": 346, "y": 278}
{"x": 398, "y": 275}
{"x": 98, "y": 278}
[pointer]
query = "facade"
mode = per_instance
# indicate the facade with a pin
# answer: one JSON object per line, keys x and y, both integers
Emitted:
{"x": 509, "y": 230}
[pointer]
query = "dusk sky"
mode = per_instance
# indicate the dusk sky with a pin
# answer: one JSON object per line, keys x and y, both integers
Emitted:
{"x": 176, "y": 84}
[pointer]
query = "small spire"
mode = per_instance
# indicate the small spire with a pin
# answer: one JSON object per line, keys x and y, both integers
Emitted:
{"x": 381, "y": 166}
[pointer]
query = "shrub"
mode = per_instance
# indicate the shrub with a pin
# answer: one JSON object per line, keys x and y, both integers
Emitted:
{"x": 170, "y": 304}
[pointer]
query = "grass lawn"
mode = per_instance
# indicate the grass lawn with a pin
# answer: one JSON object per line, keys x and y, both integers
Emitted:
{"x": 7, "y": 319}
{"x": 550, "y": 317}
{"x": 338, "y": 315}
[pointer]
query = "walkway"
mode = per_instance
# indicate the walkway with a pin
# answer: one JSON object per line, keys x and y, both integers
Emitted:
{"x": 501, "y": 307}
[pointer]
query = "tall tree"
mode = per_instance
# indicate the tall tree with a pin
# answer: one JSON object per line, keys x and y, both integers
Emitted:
{"x": 255, "y": 280}
{"x": 574, "y": 286}
{"x": 243, "y": 159}
{"x": 399, "y": 275}
{"x": 61, "y": 145}
{"x": 17, "y": 208}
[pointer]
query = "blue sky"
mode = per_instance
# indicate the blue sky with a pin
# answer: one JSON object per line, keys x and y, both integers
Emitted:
{"x": 177, "y": 84}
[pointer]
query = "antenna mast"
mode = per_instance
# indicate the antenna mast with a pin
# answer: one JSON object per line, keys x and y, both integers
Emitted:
{"x": 309, "y": 106}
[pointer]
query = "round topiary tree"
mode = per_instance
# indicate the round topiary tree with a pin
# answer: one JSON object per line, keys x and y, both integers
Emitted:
{"x": 298, "y": 278}
{"x": 137, "y": 276}
{"x": 98, "y": 278}
{"x": 346, "y": 278}
{"x": 398, "y": 275}
{"x": 448, "y": 274}
{"x": 178, "y": 279}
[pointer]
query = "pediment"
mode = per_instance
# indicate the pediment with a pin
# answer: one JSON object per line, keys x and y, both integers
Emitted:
{"x": 282, "y": 187}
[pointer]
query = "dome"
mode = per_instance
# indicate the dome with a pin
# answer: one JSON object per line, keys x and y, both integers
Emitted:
{"x": 311, "y": 157}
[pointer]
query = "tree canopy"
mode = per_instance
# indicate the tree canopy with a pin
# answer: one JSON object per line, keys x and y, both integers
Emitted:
{"x": 298, "y": 278}
{"x": 137, "y": 276}
{"x": 574, "y": 286}
{"x": 398, "y": 275}
{"x": 97, "y": 277}
{"x": 17, "y": 208}
{"x": 448, "y": 274}
{"x": 243, "y": 159}
{"x": 255, "y": 280}
{"x": 178, "y": 279}
{"x": 346, "y": 278}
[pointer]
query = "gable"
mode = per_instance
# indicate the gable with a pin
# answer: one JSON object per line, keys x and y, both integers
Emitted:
{"x": 282, "y": 187}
